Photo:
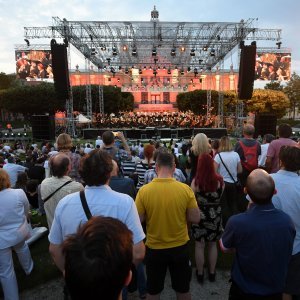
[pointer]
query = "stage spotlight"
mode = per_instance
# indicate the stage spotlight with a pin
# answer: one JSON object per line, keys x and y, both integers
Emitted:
{"x": 5, "y": 134}
{"x": 204, "y": 48}
{"x": 212, "y": 52}
{"x": 195, "y": 72}
{"x": 278, "y": 44}
{"x": 182, "y": 49}
{"x": 189, "y": 69}
{"x": 103, "y": 48}
{"x": 114, "y": 51}
{"x": 93, "y": 51}
{"x": 173, "y": 52}
{"x": 118, "y": 79}
{"x": 192, "y": 52}
{"x": 108, "y": 61}
{"x": 27, "y": 42}
{"x": 19, "y": 134}
{"x": 140, "y": 71}
{"x": 25, "y": 134}
{"x": 154, "y": 51}
{"x": 182, "y": 71}
{"x": 126, "y": 70}
{"x": 125, "y": 48}
{"x": 164, "y": 67}
{"x": 12, "y": 134}
{"x": 169, "y": 71}
{"x": 134, "y": 51}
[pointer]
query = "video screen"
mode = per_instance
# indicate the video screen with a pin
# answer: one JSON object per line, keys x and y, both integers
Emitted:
{"x": 273, "y": 66}
{"x": 34, "y": 65}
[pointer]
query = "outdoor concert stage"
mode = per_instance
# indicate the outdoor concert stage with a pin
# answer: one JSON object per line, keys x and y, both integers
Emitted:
{"x": 159, "y": 133}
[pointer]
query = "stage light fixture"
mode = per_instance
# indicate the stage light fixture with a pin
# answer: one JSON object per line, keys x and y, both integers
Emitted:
{"x": 27, "y": 42}
{"x": 192, "y": 52}
{"x": 218, "y": 37}
{"x": 154, "y": 51}
{"x": 6, "y": 134}
{"x": 278, "y": 44}
{"x": 169, "y": 71}
{"x": 164, "y": 67}
{"x": 204, "y": 48}
{"x": 25, "y": 134}
{"x": 200, "y": 61}
{"x": 140, "y": 71}
{"x": 191, "y": 81}
{"x": 212, "y": 52}
{"x": 145, "y": 67}
{"x": 189, "y": 69}
{"x": 108, "y": 61}
{"x": 126, "y": 70}
{"x": 176, "y": 68}
{"x": 173, "y": 52}
{"x": 114, "y": 51}
{"x": 182, "y": 71}
{"x": 12, "y": 134}
{"x": 125, "y": 48}
{"x": 19, "y": 134}
{"x": 103, "y": 48}
{"x": 118, "y": 79}
{"x": 182, "y": 49}
{"x": 134, "y": 51}
{"x": 195, "y": 72}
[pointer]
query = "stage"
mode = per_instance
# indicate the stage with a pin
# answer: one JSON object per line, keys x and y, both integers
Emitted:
{"x": 157, "y": 133}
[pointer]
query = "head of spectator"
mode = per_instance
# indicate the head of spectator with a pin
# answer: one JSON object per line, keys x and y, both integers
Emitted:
{"x": 215, "y": 145}
{"x": 289, "y": 158}
{"x": 32, "y": 185}
{"x": 165, "y": 165}
{"x": 159, "y": 150}
{"x": 64, "y": 142}
{"x": 108, "y": 138}
{"x": 148, "y": 153}
{"x": 98, "y": 259}
{"x": 4, "y": 180}
{"x": 206, "y": 178}
{"x": 184, "y": 149}
{"x": 225, "y": 144}
{"x": 248, "y": 131}
{"x": 260, "y": 187}
{"x": 200, "y": 144}
{"x": 95, "y": 168}
{"x": 21, "y": 180}
{"x": 60, "y": 165}
{"x": 284, "y": 130}
{"x": 268, "y": 138}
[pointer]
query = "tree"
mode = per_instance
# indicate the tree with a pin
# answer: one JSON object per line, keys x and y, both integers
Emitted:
{"x": 274, "y": 85}
{"x": 292, "y": 90}
{"x": 268, "y": 101}
{"x": 6, "y": 81}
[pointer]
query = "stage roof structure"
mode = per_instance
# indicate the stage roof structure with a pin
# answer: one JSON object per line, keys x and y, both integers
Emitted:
{"x": 122, "y": 45}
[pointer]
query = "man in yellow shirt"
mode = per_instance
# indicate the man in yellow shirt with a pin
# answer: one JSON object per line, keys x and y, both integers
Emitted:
{"x": 167, "y": 206}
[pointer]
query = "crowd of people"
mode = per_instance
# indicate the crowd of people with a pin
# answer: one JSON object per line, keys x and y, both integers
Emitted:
{"x": 121, "y": 214}
{"x": 155, "y": 119}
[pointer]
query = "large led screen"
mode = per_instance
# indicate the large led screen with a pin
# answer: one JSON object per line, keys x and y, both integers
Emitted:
{"x": 273, "y": 66}
{"x": 34, "y": 65}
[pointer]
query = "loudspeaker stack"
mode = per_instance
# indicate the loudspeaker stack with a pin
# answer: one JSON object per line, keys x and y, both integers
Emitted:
{"x": 247, "y": 71}
{"x": 60, "y": 70}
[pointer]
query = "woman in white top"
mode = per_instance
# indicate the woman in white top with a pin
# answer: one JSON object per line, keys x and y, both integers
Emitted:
{"x": 232, "y": 161}
{"x": 13, "y": 233}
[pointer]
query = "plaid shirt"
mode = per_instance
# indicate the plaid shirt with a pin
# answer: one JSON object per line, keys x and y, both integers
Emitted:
{"x": 150, "y": 174}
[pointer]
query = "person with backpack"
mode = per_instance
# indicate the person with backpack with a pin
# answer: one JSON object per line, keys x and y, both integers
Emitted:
{"x": 248, "y": 149}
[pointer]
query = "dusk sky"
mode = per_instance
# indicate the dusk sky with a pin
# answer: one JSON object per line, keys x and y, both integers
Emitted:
{"x": 271, "y": 14}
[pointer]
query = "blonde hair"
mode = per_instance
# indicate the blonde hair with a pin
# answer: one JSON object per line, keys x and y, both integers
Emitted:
{"x": 200, "y": 144}
{"x": 4, "y": 180}
{"x": 64, "y": 142}
{"x": 225, "y": 144}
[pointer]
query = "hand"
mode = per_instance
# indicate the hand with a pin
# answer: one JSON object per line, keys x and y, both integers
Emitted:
{"x": 120, "y": 135}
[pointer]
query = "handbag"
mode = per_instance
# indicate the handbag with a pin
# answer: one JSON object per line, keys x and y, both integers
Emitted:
{"x": 237, "y": 183}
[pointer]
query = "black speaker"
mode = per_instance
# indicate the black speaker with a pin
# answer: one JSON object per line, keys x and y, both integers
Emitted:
{"x": 43, "y": 127}
{"x": 265, "y": 123}
{"x": 247, "y": 71}
{"x": 60, "y": 70}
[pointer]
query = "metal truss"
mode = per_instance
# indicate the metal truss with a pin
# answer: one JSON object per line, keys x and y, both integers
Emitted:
{"x": 221, "y": 99}
{"x": 88, "y": 92}
{"x": 136, "y": 44}
{"x": 239, "y": 116}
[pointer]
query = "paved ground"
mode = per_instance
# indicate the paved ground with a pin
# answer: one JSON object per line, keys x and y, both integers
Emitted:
{"x": 208, "y": 291}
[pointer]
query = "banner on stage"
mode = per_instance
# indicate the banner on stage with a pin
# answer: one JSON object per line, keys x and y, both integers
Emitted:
{"x": 273, "y": 66}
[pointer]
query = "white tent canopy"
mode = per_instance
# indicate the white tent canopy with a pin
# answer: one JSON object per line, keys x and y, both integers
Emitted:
{"x": 82, "y": 119}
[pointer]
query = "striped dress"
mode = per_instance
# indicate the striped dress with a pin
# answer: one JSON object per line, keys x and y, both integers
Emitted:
{"x": 141, "y": 168}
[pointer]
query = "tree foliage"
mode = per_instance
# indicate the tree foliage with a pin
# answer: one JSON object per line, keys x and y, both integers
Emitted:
{"x": 262, "y": 101}
{"x": 41, "y": 98}
{"x": 292, "y": 90}
{"x": 7, "y": 81}
{"x": 274, "y": 85}
{"x": 270, "y": 101}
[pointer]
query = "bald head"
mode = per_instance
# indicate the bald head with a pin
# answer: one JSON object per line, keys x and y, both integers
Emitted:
{"x": 248, "y": 130}
{"x": 260, "y": 186}
{"x": 60, "y": 165}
